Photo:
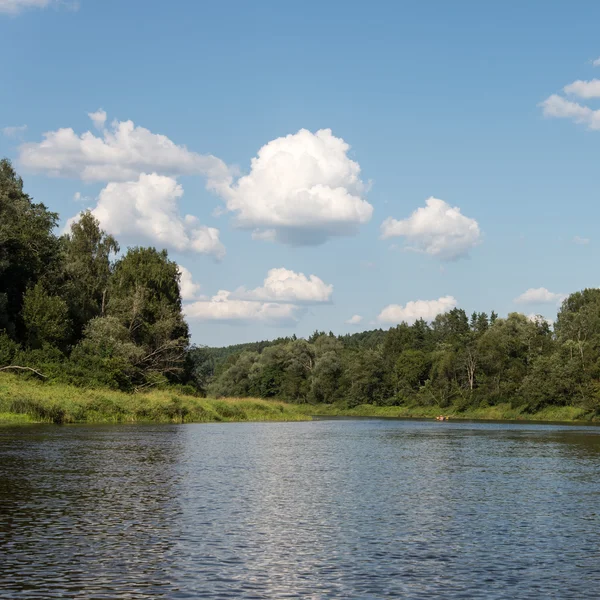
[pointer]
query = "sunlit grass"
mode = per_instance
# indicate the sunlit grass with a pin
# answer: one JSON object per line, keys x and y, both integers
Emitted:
{"x": 27, "y": 400}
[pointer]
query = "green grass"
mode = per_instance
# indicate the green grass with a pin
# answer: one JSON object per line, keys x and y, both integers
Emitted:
{"x": 24, "y": 400}
{"x": 500, "y": 412}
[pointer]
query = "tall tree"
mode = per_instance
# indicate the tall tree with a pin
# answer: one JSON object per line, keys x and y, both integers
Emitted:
{"x": 29, "y": 250}
{"x": 88, "y": 251}
{"x": 144, "y": 296}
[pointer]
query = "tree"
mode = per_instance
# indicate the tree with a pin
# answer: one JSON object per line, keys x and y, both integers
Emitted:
{"x": 29, "y": 250}
{"x": 88, "y": 267}
{"x": 107, "y": 356}
{"x": 46, "y": 318}
{"x": 199, "y": 367}
{"x": 327, "y": 378}
{"x": 144, "y": 297}
{"x": 369, "y": 378}
{"x": 411, "y": 370}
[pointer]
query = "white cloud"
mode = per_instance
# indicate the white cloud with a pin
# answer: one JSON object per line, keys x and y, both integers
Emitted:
{"x": 188, "y": 288}
{"x": 539, "y": 296}
{"x": 584, "y": 89}
{"x": 122, "y": 153}
{"x": 147, "y": 209}
{"x": 596, "y": 62}
{"x": 13, "y": 7}
{"x": 581, "y": 240}
{"x": 354, "y": 320}
{"x": 222, "y": 308}
{"x": 278, "y": 302}
{"x": 558, "y": 107}
{"x": 437, "y": 229}
{"x": 285, "y": 286}
{"x": 14, "y": 131}
{"x": 302, "y": 189}
{"x": 98, "y": 118}
{"x": 414, "y": 310}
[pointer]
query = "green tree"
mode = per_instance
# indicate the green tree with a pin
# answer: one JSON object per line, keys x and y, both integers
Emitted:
{"x": 106, "y": 356}
{"x": 46, "y": 318}
{"x": 369, "y": 377}
{"x": 88, "y": 267}
{"x": 411, "y": 370}
{"x": 29, "y": 250}
{"x": 144, "y": 297}
{"x": 327, "y": 378}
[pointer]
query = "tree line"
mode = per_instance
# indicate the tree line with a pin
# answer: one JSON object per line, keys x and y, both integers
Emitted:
{"x": 456, "y": 360}
{"x": 76, "y": 309}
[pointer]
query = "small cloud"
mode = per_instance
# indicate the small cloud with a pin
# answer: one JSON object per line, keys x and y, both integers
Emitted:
{"x": 14, "y": 131}
{"x": 367, "y": 264}
{"x": 418, "y": 309}
{"x": 222, "y": 308}
{"x": 354, "y": 320}
{"x": 581, "y": 240}
{"x": 98, "y": 118}
{"x": 539, "y": 296}
{"x": 437, "y": 229}
{"x": 583, "y": 89}
{"x": 14, "y": 7}
{"x": 285, "y": 286}
{"x": 596, "y": 62}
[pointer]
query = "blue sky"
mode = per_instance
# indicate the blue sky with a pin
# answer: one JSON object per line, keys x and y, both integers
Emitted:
{"x": 434, "y": 99}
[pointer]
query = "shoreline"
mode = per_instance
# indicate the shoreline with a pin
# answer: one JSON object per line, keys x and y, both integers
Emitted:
{"x": 26, "y": 401}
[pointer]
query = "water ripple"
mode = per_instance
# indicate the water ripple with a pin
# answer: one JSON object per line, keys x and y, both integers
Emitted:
{"x": 327, "y": 509}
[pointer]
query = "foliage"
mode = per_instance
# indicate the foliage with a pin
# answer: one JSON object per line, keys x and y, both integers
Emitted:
{"x": 70, "y": 311}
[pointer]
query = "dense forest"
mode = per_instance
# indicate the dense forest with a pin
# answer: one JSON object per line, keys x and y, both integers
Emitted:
{"x": 75, "y": 308}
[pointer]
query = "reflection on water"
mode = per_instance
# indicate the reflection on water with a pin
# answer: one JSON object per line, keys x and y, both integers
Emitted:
{"x": 328, "y": 509}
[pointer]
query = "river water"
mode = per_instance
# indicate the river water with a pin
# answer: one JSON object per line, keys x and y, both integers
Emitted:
{"x": 323, "y": 509}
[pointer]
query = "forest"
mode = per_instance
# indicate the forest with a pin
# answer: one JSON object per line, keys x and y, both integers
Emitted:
{"x": 76, "y": 309}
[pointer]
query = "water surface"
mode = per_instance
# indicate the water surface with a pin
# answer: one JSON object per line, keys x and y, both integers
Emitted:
{"x": 323, "y": 509}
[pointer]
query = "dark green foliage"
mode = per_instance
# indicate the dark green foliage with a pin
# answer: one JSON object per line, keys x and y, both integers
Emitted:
{"x": 68, "y": 311}
{"x": 45, "y": 317}
{"x": 29, "y": 250}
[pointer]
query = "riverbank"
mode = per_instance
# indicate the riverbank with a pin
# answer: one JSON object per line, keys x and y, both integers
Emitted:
{"x": 27, "y": 401}
{"x": 24, "y": 400}
{"x": 499, "y": 412}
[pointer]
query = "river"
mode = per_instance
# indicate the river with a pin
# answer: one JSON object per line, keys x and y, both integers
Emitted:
{"x": 323, "y": 509}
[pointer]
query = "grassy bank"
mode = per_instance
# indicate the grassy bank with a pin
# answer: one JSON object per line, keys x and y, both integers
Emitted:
{"x": 25, "y": 400}
{"x": 500, "y": 412}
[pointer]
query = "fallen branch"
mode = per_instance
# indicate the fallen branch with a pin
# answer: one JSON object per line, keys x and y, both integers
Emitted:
{"x": 18, "y": 368}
